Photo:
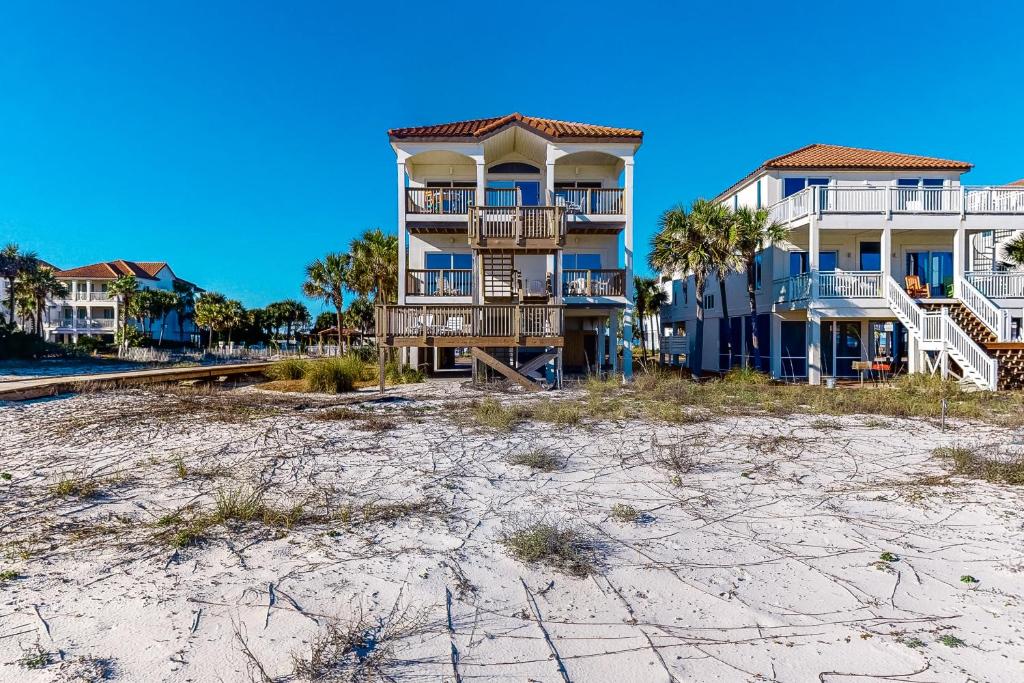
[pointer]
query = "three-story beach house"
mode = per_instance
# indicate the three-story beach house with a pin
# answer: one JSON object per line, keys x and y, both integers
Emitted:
{"x": 515, "y": 247}
{"x": 892, "y": 265}
{"x": 90, "y": 310}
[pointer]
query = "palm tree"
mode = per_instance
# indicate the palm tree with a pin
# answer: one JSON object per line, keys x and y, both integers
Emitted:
{"x": 161, "y": 303}
{"x": 209, "y": 312}
{"x": 715, "y": 221}
{"x": 649, "y": 297}
{"x": 755, "y": 229}
{"x": 326, "y": 279}
{"x": 124, "y": 289}
{"x": 38, "y": 285}
{"x": 184, "y": 304}
{"x": 14, "y": 262}
{"x": 360, "y": 315}
{"x": 232, "y": 315}
{"x": 686, "y": 246}
{"x": 291, "y": 313}
{"x": 374, "y": 267}
{"x": 1014, "y": 250}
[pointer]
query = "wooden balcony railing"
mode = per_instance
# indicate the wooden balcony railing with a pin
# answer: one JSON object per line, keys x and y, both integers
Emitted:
{"x": 594, "y": 282}
{"x": 439, "y": 282}
{"x": 533, "y": 227}
{"x": 467, "y": 325}
{"x": 596, "y": 201}
{"x": 454, "y": 201}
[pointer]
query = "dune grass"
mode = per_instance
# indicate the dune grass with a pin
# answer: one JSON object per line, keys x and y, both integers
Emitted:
{"x": 334, "y": 375}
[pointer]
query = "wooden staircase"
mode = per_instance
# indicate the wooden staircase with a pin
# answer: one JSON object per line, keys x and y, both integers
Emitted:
{"x": 1009, "y": 355}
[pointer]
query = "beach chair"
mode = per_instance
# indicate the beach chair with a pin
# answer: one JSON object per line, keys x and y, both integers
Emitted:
{"x": 915, "y": 289}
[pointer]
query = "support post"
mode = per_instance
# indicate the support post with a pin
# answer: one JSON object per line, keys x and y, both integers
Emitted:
{"x": 613, "y": 349}
{"x": 380, "y": 364}
{"x": 775, "y": 346}
{"x": 627, "y": 238}
{"x": 813, "y": 348}
{"x": 959, "y": 251}
{"x": 602, "y": 343}
{"x": 886, "y": 255}
{"x": 402, "y": 259}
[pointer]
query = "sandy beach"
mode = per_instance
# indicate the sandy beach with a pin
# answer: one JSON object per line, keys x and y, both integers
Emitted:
{"x": 729, "y": 548}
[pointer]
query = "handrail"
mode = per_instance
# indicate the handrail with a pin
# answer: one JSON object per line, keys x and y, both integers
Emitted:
{"x": 970, "y": 354}
{"x": 900, "y": 301}
{"x": 594, "y": 282}
{"x": 792, "y": 288}
{"x": 591, "y": 201}
{"x": 993, "y": 283}
{"x": 850, "y": 284}
{"x": 996, "y": 319}
{"x": 439, "y": 282}
{"x": 899, "y": 199}
{"x": 439, "y": 200}
{"x": 438, "y": 320}
{"x": 516, "y": 224}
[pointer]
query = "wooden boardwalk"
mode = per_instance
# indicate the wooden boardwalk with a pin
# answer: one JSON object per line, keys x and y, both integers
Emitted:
{"x": 38, "y": 387}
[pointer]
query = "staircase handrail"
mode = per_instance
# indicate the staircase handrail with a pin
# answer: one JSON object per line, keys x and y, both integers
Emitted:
{"x": 996, "y": 319}
{"x": 969, "y": 353}
{"x": 901, "y": 302}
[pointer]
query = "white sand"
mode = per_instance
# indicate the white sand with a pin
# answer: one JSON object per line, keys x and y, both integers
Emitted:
{"x": 758, "y": 564}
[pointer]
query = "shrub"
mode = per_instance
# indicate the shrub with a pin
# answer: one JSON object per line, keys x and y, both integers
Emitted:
{"x": 396, "y": 374}
{"x": 70, "y": 486}
{"x": 541, "y": 459}
{"x": 333, "y": 375}
{"x": 553, "y": 544}
{"x": 15, "y": 343}
{"x": 564, "y": 413}
{"x": 747, "y": 376}
{"x": 289, "y": 368}
{"x": 625, "y": 513}
{"x": 491, "y": 413}
{"x": 969, "y": 463}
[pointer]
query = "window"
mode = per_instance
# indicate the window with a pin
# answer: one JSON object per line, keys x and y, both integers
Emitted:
{"x": 436, "y": 260}
{"x": 840, "y": 347}
{"x": 935, "y": 268}
{"x": 871, "y": 256}
{"x": 514, "y": 167}
{"x": 451, "y": 183}
{"x": 729, "y": 336}
{"x": 735, "y": 202}
{"x": 758, "y": 206}
{"x": 791, "y": 186}
{"x": 794, "y": 348}
{"x": 581, "y": 261}
{"x": 919, "y": 194}
{"x": 528, "y": 192}
{"x": 709, "y": 301}
{"x": 758, "y": 259}
{"x": 581, "y": 184}
{"x": 828, "y": 261}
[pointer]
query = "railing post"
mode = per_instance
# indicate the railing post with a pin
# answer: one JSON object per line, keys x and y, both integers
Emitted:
{"x": 423, "y": 326}
{"x": 888, "y": 202}
{"x": 963, "y": 202}
{"x": 516, "y": 322}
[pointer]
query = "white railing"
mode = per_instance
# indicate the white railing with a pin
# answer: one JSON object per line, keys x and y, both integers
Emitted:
{"x": 439, "y": 200}
{"x": 850, "y": 284}
{"x": 894, "y": 199}
{"x": 86, "y": 324}
{"x": 932, "y": 326}
{"x": 89, "y": 296}
{"x": 439, "y": 282}
{"x": 906, "y": 309}
{"x": 673, "y": 346}
{"x": 792, "y": 207}
{"x": 996, "y": 319}
{"x": 995, "y": 284}
{"x": 792, "y": 288}
{"x": 469, "y": 321}
{"x": 968, "y": 354}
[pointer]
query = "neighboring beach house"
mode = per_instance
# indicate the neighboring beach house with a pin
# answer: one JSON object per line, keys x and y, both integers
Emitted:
{"x": 89, "y": 310}
{"x": 892, "y": 262}
{"x": 516, "y": 247}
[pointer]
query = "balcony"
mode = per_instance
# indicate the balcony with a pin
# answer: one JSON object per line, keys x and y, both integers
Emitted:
{"x": 87, "y": 296}
{"x": 439, "y": 201}
{"x": 595, "y": 201}
{"x": 889, "y": 200}
{"x": 517, "y": 227}
{"x": 470, "y": 325}
{"x": 592, "y": 283}
{"x": 439, "y": 283}
{"x": 997, "y": 284}
{"x": 838, "y": 284}
{"x": 102, "y": 325}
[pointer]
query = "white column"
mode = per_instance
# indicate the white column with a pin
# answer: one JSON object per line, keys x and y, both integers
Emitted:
{"x": 481, "y": 200}
{"x": 402, "y": 263}
{"x": 886, "y": 255}
{"x": 814, "y": 347}
{"x": 613, "y": 347}
{"x": 959, "y": 251}
{"x": 602, "y": 342}
{"x": 627, "y": 237}
{"x": 549, "y": 182}
{"x": 414, "y": 357}
{"x": 813, "y": 249}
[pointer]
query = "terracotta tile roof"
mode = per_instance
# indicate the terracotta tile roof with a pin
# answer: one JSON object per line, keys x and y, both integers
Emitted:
{"x": 109, "y": 270}
{"x": 1018, "y": 182}
{"x": 480, "y": 128}
{"x": 839, "y": 157}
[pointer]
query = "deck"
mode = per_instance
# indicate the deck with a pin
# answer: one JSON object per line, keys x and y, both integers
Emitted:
{"x": 40, "y": 387}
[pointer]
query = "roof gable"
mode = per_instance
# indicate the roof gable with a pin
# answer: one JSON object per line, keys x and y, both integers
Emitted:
{"x": 476, "y": 129}
{"x": 110, "y": 270}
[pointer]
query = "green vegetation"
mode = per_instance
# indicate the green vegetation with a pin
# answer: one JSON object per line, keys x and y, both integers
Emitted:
{"x": 968, "y": 462}
{"x": 889, "y": 557}
{"x": 37, "y": 658}
{"x": 949, "y": 640}
{"x": 71, "y": 486}
{"x": 340, "y": 374}
{"x": 555, "y": 545}
{"x": 541, "y": 460}
{"x": 625, "y": 513}
{"x": 968, "y": 579}
{"x": 9, "y": 575}
{"x": 492, "y": 413}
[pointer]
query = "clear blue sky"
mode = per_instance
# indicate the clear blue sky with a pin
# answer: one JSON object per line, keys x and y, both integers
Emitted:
{"x": 239, "y": 140}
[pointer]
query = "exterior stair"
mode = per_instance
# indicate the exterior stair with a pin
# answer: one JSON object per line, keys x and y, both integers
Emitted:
{"x": 508, "y": 371}
{"x": 1009, "y": 355}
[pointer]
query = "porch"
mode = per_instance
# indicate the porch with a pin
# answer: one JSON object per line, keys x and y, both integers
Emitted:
{"x": 470, "y": 325}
